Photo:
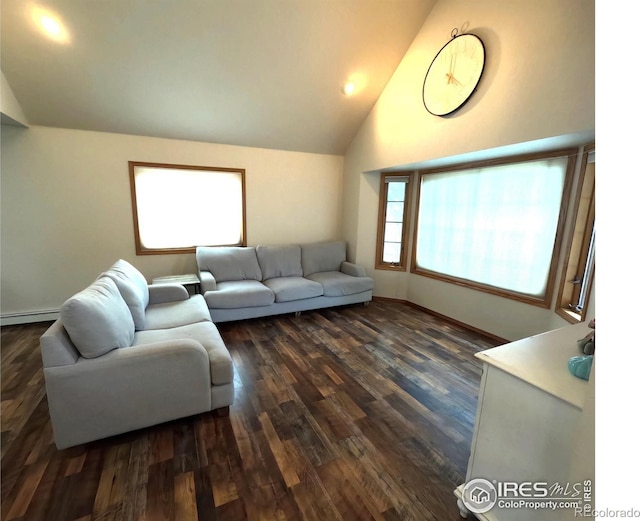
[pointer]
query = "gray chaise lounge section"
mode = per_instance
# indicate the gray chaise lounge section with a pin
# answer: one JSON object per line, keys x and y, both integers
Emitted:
{"x": 125, "y": 355}
{"x": 256, "y": 281}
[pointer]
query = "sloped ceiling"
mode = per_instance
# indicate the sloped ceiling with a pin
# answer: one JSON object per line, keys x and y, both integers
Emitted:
{"x": 260, "y": 73}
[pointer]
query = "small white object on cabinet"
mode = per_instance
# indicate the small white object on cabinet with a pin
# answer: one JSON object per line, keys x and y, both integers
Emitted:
{"x": 534, "y": 424}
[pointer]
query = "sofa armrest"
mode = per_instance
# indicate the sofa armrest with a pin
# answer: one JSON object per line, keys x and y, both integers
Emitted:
{"x": 128, "y": 388}
{"x": 355, "y": 270}
{"x": 207, "y": 281}
{"x": 161, "y": 293}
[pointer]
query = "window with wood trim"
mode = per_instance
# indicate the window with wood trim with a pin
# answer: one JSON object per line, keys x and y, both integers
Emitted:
{"x": 579, "y": 269}
{"x": 495, "y": 226}
{"x": 393, "y": 212}
{"x": 179, "y": 207}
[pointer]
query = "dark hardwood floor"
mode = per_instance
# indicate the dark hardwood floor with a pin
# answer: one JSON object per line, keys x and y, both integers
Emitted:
{"x": 349, "y": 413}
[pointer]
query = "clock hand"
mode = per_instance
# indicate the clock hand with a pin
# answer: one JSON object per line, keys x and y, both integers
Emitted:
{"x": 451, "y": 79}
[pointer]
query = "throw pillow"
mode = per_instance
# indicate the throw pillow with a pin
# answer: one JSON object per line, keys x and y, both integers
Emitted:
{"x": 97, "y": 319}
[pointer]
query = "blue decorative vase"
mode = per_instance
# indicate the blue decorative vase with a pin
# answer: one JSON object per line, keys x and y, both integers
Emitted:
{"x": 580, "y": 366}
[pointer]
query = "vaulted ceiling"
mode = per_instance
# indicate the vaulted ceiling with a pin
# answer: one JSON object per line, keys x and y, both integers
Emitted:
{"x": 260, "y": 73}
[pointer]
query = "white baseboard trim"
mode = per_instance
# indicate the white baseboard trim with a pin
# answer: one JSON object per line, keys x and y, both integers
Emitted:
{"x": 11, "y": 319}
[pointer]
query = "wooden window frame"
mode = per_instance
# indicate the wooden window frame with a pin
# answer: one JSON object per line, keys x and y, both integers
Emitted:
{"x": 582, "y": 226}
{"x": 141, "y": 249}
{"x": 382, "y": 219}
{"x": 546, "y": 299}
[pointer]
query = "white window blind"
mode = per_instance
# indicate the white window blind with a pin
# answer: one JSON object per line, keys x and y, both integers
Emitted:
{"x": 494, "y": 225}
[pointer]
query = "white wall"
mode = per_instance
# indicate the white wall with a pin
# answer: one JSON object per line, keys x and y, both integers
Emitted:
{"x": 538, "y": 83}
{"x": 9, "y": 107}
{"x": 66, "y": 206}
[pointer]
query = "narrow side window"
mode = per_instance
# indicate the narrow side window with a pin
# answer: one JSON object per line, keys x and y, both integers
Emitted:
{"x": 393, "y": 212}
{"x": 579, "y": 269}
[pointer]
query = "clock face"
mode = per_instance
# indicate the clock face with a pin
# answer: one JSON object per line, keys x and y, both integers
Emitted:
{"x": 453, "y": 74}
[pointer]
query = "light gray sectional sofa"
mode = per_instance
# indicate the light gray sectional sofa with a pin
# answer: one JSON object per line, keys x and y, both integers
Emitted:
{"x": 256, "y": 281}
{"x": 126, "y": 355}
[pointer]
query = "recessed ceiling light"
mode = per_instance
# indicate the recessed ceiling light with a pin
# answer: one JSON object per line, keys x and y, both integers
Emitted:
{"x": 348, "y": 88}
{"x": 50, "y": 24}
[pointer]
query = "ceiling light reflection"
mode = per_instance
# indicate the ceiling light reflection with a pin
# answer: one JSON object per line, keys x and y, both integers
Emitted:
{"x": 348, "y": 88}
{"x": 50, "y": 25}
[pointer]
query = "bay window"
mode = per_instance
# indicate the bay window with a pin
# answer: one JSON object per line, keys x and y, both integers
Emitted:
{"x": 495, "y": 225}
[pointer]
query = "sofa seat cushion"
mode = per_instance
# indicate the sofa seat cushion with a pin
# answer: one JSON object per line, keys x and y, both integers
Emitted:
{"x": 206, "y": 334}
{"x": 239, "y": 294}
{"x": 293, "y": 288}
{"x": 178, "y": 313}
{"x": 280, "y": 261}
{"x": 97, "y": 319}
{"x": 133, "y": 288}
{"x": 338, "y": 284}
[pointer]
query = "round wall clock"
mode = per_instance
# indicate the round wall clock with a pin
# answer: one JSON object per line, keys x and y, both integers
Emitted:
{"x": 453, "y": 74}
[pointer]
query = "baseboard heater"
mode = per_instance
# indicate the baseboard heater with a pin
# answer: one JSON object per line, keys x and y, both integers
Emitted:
{"x": 27, "y": 317}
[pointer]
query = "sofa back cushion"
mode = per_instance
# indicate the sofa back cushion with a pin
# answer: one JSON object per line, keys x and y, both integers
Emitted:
{"x": 323, "y": 256}
{"x": 97, "y": 319}
{"x": 229, "y": 262}
{"x": 133, "y": 288}
{"x": 279, "y": 261}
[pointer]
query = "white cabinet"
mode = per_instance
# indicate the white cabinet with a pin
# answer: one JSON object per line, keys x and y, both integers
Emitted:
{"x": 534, "y": 425}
